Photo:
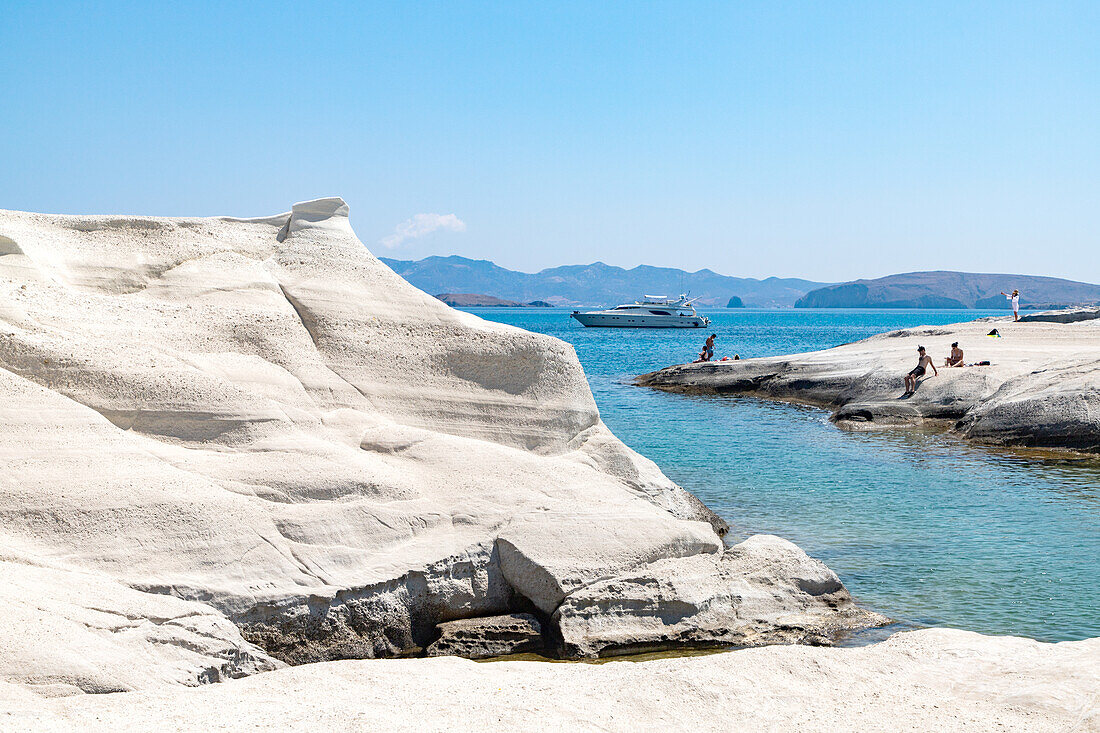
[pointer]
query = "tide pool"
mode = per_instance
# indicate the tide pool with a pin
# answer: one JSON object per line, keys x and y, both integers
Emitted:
{"x": 920, "y": 526}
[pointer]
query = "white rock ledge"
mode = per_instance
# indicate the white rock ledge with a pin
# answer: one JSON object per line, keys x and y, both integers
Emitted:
{"x": 1041, "y": 390}
{"x": 764, "y": 590}
{"x": 933, "y": 680}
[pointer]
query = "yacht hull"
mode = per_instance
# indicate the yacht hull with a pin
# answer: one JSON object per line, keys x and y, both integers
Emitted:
{"x": 608, "y": 320}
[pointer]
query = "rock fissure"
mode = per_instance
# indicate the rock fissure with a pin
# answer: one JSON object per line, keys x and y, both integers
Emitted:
{"x": 303, "y": 316}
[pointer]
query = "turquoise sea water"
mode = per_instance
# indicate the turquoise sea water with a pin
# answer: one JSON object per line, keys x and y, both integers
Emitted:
{"x": 920, "y": 526}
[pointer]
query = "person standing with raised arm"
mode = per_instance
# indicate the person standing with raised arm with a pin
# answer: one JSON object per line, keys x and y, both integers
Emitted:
{"x": 1015, "y": 298}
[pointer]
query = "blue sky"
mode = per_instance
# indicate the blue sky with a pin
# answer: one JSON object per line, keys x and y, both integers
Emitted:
{"x": 824, "y": 140}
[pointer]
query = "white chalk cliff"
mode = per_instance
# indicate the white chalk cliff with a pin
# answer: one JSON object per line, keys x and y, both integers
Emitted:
{"x": 230, "y": 442}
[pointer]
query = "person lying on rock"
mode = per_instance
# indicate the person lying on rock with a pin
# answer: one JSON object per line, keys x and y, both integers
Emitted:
{"x": 918, "y": 371}
{"x": 956, "y": 358}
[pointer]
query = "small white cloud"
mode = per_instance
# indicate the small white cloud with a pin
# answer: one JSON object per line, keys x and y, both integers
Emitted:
{"x": 422, "y": 225}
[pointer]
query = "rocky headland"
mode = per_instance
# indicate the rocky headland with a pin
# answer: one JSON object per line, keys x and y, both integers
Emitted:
{"x": 1041, "y": 388}
{"x": 948, "y": 289}
{"x": 477, "y": 300}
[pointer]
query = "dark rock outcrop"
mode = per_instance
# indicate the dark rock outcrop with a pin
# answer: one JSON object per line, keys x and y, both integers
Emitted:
{"x": 491, "y": 636}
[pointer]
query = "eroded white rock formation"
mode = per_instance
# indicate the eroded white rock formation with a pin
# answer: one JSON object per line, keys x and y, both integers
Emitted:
{"x": 255, "y": 420}
{"x": 1041, "y": 389}
{"x": 764, "y": 590}
{"x": 65, "y": 631}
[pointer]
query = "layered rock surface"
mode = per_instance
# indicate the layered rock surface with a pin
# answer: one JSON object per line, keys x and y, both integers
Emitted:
{"x": 490, "y": 636}
{"x": 64, "y": 631}
{"x": 764, "y": 590}
{"x": 256, "y": 420}
{"x": 1069, "y": 315}
{"x": 1042, "y": 388}
{"x": 942, "y": 680}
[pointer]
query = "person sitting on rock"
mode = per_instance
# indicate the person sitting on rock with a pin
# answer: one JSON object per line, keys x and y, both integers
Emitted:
{"x": 918, "y": 371}
{"x": 956, "y": 358}
{"x": 708, "y": 349}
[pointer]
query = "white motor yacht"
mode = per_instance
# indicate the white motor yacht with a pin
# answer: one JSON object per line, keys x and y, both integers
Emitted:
{"x": 656, "y": 311}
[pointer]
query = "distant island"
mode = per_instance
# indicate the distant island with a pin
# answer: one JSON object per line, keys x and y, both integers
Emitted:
{"x": 946, "y": 289}
{"x": 477, "y": 300}
{"x": 735, "y": 302}
{"x": 597, "y": 284}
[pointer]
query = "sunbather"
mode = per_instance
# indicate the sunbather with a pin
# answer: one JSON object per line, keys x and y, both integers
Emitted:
{"x": 918, "y": 371}
{"x": 956, "y": 358}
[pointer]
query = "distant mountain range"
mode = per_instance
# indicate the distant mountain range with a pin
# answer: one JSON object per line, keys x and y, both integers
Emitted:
{"x": 479, "y": 282}
{"x": 945, "y": 289}
{"x": 595, "y": 284}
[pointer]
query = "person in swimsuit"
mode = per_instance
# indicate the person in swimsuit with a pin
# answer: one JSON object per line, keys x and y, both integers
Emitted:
{"x": 918, "y": 371}
{"x": 956, "y": 358}
{"x": 1015, "y": 298}
{"x": 708, "y": 349}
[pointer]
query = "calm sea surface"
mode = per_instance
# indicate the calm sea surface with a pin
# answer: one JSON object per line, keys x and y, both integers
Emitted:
{"x": 920, "y": 526}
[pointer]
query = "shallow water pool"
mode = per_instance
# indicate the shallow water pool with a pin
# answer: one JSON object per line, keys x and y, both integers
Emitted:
{"x": 920, "y": 526}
